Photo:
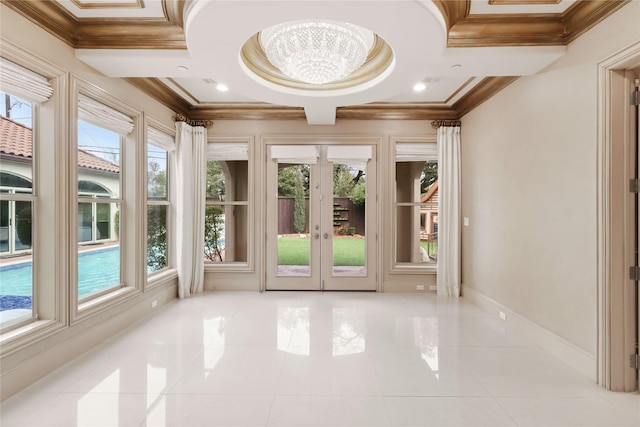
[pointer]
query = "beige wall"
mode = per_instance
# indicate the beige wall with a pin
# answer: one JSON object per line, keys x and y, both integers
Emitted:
{"x": 529, "y": 188}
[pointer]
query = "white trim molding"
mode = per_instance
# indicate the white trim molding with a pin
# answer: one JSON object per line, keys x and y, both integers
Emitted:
{"x": 616, "y": 319}
{"x": 570, "y": 354}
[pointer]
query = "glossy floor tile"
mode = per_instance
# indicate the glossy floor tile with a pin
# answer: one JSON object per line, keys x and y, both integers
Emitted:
{"x": 318, "y": 359}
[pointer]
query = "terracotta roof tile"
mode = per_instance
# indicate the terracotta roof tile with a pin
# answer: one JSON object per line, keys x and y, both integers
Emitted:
{"x": 16, "y": 140}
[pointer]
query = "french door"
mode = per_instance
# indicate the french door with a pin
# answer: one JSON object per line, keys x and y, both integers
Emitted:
{"x": 321, "y": 217}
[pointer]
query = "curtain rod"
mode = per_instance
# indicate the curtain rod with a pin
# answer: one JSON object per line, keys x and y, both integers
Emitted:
{"x": 437, "y": 123}
{"x": 182, "y": 118}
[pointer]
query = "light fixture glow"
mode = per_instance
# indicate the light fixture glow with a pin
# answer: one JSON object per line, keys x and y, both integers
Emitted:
{"x": 419, "y": 87}
{"x": 315, "y": 51}
{"x": 222, "y": 87}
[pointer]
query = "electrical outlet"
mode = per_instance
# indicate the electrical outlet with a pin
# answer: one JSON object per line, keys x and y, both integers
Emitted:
{"x": 433, "y": 288}
{"x": 154, "y": 303}
{"x": 419, "y": 287}
{"x": 503, "y": 315}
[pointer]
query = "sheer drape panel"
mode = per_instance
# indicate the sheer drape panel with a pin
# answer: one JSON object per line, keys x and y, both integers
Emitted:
{"x": 449, "y": 235}
{"x": 191, "y": 153}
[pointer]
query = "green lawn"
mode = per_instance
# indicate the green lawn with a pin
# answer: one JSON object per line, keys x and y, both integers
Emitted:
{"x": 434, "y": 247}
{"x": 346, "y": 251}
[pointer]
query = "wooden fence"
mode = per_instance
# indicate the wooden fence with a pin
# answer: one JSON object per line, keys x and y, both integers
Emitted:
{"x": 346, "y": 214}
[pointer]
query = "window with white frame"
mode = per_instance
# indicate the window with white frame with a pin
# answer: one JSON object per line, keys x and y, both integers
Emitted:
{"x": 227, "y": 207}
{"x": 101, "y": 135}
{"x": 416, "y": 203}
{"x": 159, "y": 148}
{"x": 21, "y": 93}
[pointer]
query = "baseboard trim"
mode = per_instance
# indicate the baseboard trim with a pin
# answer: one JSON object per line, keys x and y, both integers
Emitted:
{"x": 559, "y": 347}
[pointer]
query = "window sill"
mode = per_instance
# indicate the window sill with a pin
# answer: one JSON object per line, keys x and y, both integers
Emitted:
{"x": 160, "y": 277}
{"x": 22, "y": 337}
{"x": 414, "y": 269}
{"x": 230, "y": 267}
{"x": 105, "y": 302}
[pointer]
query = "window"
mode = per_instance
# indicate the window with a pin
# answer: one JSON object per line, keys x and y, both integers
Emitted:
{"x": 416, "y": 204}
{"x": 227, "y": 210}
{"x": 21, "y": 92}
{"x": 100, "y": 156}
{"x": 158, "y": 149}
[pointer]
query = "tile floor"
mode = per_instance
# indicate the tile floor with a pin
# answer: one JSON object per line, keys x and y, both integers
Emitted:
{"x": 318, "y": 359}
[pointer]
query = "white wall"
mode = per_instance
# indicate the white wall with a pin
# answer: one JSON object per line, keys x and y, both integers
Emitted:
{"x": 529, "y": 189}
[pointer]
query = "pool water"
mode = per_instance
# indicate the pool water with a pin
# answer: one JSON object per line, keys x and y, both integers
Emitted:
{"x": 96, "y": 270}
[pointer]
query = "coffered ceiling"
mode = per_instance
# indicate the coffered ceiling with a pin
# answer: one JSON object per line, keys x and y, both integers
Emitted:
{"x": 179, "y": 50}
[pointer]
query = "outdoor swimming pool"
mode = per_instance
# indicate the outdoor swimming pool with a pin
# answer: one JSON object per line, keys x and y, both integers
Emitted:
{"x": 97, "y": 269}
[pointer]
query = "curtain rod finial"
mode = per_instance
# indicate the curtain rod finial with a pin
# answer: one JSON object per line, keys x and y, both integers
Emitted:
{"x": 437, "y": 123}
{"x": 179, "y": 117}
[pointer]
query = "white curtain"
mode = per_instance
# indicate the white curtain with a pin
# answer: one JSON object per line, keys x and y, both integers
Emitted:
{"x": 449, "y": 236}
{"x": 191, "y": 157}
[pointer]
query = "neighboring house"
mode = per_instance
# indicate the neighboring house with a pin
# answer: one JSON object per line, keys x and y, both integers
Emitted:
{"x": 429, "y": 214}
{"x": 96, "y": 178}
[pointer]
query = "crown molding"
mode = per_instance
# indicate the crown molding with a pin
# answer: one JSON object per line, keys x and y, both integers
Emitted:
{"x": 156, "y": 89}
{"x": 587, "y": 13}
{"x": 481, "y": 92}
{"x": 106, "y": 33}
{"x": 465, "y": 30}
{"x": 241, "y": 111}
{"x": 379, "y": 111}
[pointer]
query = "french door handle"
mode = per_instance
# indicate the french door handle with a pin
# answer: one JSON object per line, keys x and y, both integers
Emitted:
{"x": 325, "y": 235}
{"x": 317, "y": 235}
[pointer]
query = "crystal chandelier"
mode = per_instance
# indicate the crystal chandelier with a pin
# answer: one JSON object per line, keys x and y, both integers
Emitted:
{"x": 316, "y": 52}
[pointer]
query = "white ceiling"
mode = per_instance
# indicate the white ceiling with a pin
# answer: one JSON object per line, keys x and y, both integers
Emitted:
{"x": 216, "y": 30}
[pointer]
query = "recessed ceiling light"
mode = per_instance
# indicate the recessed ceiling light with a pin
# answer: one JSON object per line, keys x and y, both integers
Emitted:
{"x": 456, "y": 66}
{"x": 419, "y": 87}
{"x": 222, "y": 87}
{"x": 183, "y": 68}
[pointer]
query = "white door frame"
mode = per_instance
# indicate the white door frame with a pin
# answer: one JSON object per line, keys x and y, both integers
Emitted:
{"x": 617, "y": 319}
{"x": 373, "y": 225}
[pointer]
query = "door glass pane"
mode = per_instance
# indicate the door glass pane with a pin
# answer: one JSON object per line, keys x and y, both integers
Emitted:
{"x": 294, "y": 245}
{"x": 348, "y": 208}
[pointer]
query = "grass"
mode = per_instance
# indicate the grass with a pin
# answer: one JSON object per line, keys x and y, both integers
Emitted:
{"x": 434, "y": 247}
{"x": 346, "y": 251}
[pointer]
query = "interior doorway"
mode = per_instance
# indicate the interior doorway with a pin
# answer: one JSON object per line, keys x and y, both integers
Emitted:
{"x": 321, "y": 217}
{"x": 618, "y": 234}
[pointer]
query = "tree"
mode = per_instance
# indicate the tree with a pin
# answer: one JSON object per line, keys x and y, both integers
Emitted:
{"x": 156, "y": 180}
{"x": 215, "y": 179}
{"x": 213, "y": 233}
{"x": 429, "y": 176}
{"x": 287, "y": 178}
{"x": 343, "y": 181}
{"x": 359, "y": 193}
{"x": 299, "y": 211}
{"x": 156, "y": 237}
